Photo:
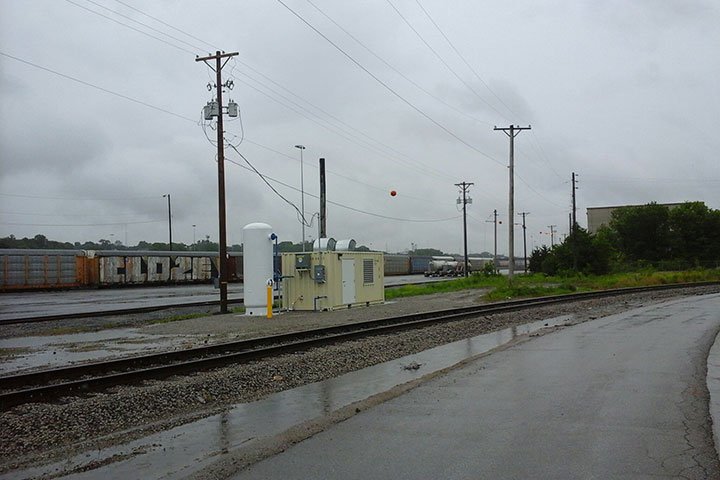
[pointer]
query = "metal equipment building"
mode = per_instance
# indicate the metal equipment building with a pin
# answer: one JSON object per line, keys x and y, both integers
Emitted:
{"x": 332, "y": 280}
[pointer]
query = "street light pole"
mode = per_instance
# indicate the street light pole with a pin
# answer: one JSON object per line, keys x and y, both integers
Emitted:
{"x": 169, "y": 219}
{"x": 302, "y": 194}
{"x": 194, "y": 236}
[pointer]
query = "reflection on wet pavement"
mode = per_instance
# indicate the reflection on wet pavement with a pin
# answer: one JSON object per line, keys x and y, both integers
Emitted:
{"x": 177, "y": 452}
{"x": 53, "y": 351}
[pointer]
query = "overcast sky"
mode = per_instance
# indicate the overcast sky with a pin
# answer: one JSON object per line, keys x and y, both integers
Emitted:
{"x": 624, "y": 93}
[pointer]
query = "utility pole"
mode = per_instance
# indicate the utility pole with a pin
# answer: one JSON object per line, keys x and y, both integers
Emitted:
{"x": 464, "y": 186}
{"x": 552, "y": 235}
{"x": 222, "y": 261}
{"x": 512, "y": 131}
{"x": 574, "y": 223}
{"x": 169, "y": 219}
{"x": 495, "y": 222}
{"x": 524, "y": 214}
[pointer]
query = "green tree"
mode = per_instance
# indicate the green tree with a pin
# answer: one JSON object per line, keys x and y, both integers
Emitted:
{"x": 695, "y": 233}
{"x": 642, "y": 231}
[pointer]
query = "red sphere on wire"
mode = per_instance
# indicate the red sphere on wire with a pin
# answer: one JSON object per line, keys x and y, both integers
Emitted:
{"x": 393, "y": 193}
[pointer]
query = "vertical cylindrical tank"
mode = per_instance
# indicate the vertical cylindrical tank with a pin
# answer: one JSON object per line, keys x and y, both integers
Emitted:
{"x": 257, "y": 266}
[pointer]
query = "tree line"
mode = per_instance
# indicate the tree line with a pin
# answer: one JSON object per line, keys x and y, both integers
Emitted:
{"x": 651, "y": 235}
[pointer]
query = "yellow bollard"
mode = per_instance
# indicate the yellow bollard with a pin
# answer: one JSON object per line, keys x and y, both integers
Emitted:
{"x": 269, "y": 301}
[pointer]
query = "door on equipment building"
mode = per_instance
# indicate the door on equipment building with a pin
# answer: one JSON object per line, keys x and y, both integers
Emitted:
{"x": 348, "y": 280}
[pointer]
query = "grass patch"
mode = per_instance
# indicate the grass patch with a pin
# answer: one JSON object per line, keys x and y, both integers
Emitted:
{"x": 177, "y": 318}
{"x": 474, "y": 281}
{"x": 536, "y": 285}
{"x": 70, "y": 331}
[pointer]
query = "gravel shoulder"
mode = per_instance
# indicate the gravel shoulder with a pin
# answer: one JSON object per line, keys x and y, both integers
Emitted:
{"x": 36, "y": 433}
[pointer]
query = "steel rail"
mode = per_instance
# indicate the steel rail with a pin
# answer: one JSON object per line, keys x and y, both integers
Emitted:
{"x": 42, "y": 386}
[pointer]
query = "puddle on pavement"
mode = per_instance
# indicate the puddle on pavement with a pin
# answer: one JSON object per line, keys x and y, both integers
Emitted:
{"x": 182, "y": 450}
{"x": 24, "y": 353}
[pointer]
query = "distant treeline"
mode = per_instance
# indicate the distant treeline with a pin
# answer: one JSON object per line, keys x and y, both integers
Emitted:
{"x": 650, "y": 235}
{"x": 41, "y": 242}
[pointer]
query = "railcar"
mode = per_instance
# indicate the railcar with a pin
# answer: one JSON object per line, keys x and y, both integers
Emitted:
{"x": 24, "y": 269}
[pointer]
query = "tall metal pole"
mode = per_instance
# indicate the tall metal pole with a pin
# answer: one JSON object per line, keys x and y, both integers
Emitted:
{"x": 464, "y": 186}
{"x": 513, "y": 132}
{"x": 169, "y": 220}
{"x": 574, "y": 223}
{"x": 222, "y": 261}
{"x": 302, "y": 195}
{"x": 323, "y": 200}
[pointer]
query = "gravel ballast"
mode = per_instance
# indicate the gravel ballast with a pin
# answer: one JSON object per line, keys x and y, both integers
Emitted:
{"x": 35, "y": 433}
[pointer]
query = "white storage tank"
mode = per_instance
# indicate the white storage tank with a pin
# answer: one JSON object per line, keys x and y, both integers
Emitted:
{"x": 257, "y": 266}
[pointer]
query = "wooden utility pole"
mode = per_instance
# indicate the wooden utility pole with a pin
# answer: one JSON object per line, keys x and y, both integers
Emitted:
{"x": 573, "y": 228}
{"x": 464, "y": 186}
{"x": 524, "y": 214}
{"x": 222, "y": 261}
{"x": 512, "y": 131}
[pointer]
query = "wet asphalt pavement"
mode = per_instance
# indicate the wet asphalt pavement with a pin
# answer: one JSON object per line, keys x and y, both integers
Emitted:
{"x": 37, "y": 304}
{"x": 618, "y": 397}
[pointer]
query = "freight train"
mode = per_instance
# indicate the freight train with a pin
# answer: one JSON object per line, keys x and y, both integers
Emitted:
{"x": 57, "y": 269}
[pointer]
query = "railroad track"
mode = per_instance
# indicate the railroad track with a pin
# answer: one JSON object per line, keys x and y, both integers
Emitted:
{"x": 46, "y": 385}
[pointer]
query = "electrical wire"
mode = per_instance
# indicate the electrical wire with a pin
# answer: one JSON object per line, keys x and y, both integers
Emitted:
{"x": 143, "y": 24}
{"x": 266, "y": 179}
{"x": 91, "y": 85}
{"x": 76, "y": 198}
{"x": 442, "y": 60}
{"x": 166, "y": 24}
{"x": 387, "y": 87}
{"x": 463, "y": 59}
{"x": 391, "y": 67}
{"x": 131, "y": 27}
{"x": 81, "y": 224}
{"x": 66, "y": 214}
{"x": 355, "y": 139}
{"x": 159, "y": 109}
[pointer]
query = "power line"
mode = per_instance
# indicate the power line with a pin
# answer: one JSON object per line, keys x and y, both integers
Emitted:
{"x": 166, "y": 24}
{"x": 143, "y": 24}
{"x": 77, "y": 198}
{"x": 159, "y": 109}
{"x": 447, "y": 65}
{"x": 80, "y": 224}
{"x": 265, "y": 179}
{"x": 67, "y": 214}
{"x": 194, "y": 46}
{"x": 390, "y": 66}
{"x": 131, "y": 28}
{"x": 342, "y": 134}
{"x": 91, "y": 85}
{"x": 463, "y": 59}
{"x": 387, "y": 87}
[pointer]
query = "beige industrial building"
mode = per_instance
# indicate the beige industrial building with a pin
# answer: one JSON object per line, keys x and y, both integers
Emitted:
{"x": 599, "y": 216}
{"x": 331, "y": 280}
